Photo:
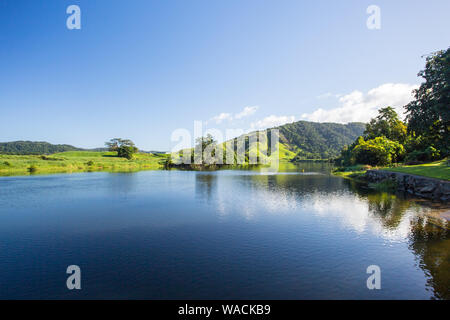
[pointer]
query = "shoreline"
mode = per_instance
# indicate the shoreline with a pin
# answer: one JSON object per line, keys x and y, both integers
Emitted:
{"x": 420, "y": 186}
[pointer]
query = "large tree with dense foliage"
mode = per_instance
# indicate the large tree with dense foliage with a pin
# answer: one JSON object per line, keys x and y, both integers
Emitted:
{"x": 386, "y": 124}
{"x": 201, "y": 144}
{"x": 428, "y": 115}
{"x": 125, "y": 148}
{"x": 381, "y": 144}
{"x": 379, "y": 151}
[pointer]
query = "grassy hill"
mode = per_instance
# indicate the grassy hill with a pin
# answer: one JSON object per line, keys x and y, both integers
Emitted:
{"x": 303, "y": 140}
{"x": 299, "y": 141}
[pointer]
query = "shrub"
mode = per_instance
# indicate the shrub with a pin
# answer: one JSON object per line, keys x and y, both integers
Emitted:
{"x": 6, "y": 163}
{"x": 90, "y": 163}
{"x": 419, "y": 156}
{"x": 126, "y": 152}
{"x": 378, "y": 152}
{"x": 32, "y": 169}
{"x": 432, "y": 153}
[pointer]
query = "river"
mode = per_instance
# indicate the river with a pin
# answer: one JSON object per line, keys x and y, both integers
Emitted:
{"x": 298, "y": 234}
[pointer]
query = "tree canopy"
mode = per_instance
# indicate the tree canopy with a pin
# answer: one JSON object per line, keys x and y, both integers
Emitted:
{"x": 377, "y": 151}
{"x": 125, "y": 148}
{"x": 386, "y": 124}
{"x": 425, "y": 137}
{"x": 428, "y": 115}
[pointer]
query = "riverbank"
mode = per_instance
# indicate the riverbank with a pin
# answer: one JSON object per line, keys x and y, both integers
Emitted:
{"x": 77, "y": 161}
{"x": 437, "y": 170}
{"x": 429, "y": 181}
{"x": 419, "y": 186}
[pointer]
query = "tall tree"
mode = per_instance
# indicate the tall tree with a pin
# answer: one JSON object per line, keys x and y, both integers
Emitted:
{"x": 201, "y": 144}
{"x": 386, "y": 124}
{"x": 428, "y": 114}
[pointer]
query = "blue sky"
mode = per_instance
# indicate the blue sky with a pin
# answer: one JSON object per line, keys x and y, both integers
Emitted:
{"x": 141, "y": 69}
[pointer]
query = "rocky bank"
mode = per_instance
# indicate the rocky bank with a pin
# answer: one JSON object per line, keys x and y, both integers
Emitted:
{"x": 419, "y": 186}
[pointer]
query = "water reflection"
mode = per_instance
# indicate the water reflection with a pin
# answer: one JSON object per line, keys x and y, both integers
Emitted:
{"x": 394, "y": 218}
{"x": 387, "y": 208}
{"x": 431, "y": 244}
{"x": 227, "y": 234}
{"x": 121, "y": 183}
{"x": 205, "y": 185}
{"x": 421, "y": 225}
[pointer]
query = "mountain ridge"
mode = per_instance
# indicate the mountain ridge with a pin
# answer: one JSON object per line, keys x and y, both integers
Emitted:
{"x": 306, "y": 140}
{"x": 299, "y": 140}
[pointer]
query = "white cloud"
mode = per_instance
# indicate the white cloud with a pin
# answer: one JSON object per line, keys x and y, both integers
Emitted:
{"x": 271, "y": 121}
{"x": 248, "y": 111}
{"x": 223, "y": 116}
{"x": 329, "y": 95}
{"x": 359, "y": 107}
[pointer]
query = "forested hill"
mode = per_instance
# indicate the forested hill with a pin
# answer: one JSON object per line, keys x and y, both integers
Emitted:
{"x": 313, "y": 140}
{"x": 301, "y": 140}
{"x": 32, "y": 147}
{"x": 304, "y": 140}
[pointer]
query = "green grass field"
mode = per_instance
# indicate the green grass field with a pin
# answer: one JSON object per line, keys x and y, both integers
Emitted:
{"x": 77, "y": 161}
{"x": 438, "y": 170}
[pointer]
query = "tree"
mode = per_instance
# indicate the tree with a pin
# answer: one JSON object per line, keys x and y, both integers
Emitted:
{"x": 125, "y": 148}
{"x": 428, "y": 115}
{"x": 113, "y": 144}
{"x": 200, "y": 146}
{"x": 386, "y": 124}
{"x": 205, "y": 141}
{"x": 377, "y": 152}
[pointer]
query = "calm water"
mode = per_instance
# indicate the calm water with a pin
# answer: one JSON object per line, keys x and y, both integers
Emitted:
{"x": 226, "y": 234}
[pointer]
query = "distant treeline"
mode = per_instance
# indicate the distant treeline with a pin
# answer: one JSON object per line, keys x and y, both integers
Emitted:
{"x": 32, "y": 147}
{"x": 38, "y": 147}
{"x": 42, "y": 147}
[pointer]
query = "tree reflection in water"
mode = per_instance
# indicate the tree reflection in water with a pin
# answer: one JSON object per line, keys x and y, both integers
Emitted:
{"x": 429, "y": 237}
{"x": 430, "y": 242}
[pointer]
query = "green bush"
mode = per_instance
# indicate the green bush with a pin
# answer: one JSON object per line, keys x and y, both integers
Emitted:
{"x": 90, "y": 163}
{"x": 126, "y": 152}
{"x": 420, "y": 156}
{"x": 32, "y": 169}
{"x": 377, "y": 152}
